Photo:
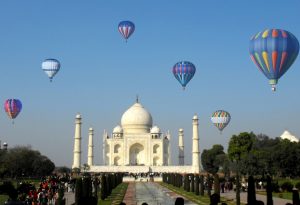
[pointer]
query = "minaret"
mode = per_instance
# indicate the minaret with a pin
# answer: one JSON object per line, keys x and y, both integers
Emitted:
{"x": 103, "y": 146}
{"x": 181, "y": 148}
{"x": 169, "y": 148}
{"x": 196, "y": 153}
{"x": 77, "y": 143}
{"x": 91, "y": 148}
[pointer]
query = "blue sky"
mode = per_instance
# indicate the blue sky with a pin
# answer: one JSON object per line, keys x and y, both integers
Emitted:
{"x": 101, "y": 74}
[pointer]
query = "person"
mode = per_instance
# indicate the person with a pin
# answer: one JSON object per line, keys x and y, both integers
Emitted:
{"x": 214, "y": 199}
{"x": 222, "y": 186}
{"x": 179, "y": 201}
{"x": 260, "y": 184}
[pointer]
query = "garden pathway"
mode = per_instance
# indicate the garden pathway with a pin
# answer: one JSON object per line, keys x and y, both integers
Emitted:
{"x": 151, "y": 193}
{"x": 276, "y": 201}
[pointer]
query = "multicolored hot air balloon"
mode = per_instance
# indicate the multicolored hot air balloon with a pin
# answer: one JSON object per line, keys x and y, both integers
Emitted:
{"x": 12, "y": 107}
{"x": 274, "y": 51}
{"x": 184, "y": 71}
{"x": 126, "y": 28}
{"x": 220, "y": 119}
{"x": 51, "y": 67}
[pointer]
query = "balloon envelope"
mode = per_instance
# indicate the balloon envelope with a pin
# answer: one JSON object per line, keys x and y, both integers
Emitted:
{"x": 273, "y": 51}
{"x": 220, "y": 119}
{"x": 12, "y": 107}
{"x": 184, "y": 71}
{"x": 51, "y": 67}
{"x": 126, "y": 28}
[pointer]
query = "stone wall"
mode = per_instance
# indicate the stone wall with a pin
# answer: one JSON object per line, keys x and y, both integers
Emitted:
{"x": 145, "y": 169}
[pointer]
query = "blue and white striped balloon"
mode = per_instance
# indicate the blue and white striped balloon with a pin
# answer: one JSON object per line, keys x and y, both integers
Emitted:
{"x": 51, "y": 67}
{"x": 126, "y": 28}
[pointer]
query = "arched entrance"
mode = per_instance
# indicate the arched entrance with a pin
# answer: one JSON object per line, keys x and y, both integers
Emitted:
{"x": 137, "y": 154}
{"x": 117, "y": 161}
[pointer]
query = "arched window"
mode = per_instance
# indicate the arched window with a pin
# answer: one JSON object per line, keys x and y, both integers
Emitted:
{"x": 155, "y": 148}
{"x": 117, "y": 148}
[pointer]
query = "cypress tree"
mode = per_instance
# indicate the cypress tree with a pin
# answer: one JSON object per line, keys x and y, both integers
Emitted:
{"x": 179, "y": 180}
{"x": 269, "y": 191}
{"x": 197, "y": 180}
{"x": 251, "y": 197}
{"x": 201, "y": 185}
{"x": 113, "y": 184}
{"x": 78, "y": 191}
{"x": 192, "y": 183}
{"x": 173, "y": 179}
{"x": 208, "y": 185}
{"x": 108, "y": 184}
{"x": 188, "y": 185}
{"x": 103, "y": 191}
{"x": 60, "y": 199}
{"x": 296, "y": 200}
{"x": 95, "y": 183}
{"x": 185, "y": 182}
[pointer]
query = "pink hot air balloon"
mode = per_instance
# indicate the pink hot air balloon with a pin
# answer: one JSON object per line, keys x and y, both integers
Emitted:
{"x": 12, "y": 107}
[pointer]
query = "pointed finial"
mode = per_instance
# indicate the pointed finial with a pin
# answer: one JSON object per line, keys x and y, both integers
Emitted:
{"x": 137, "y": 99}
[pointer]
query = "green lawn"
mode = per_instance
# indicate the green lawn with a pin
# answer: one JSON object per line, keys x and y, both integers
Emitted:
{"x": 283, "y": 195}
{"x": 116, "y": 196}
{"x": 3, "y": 198}
{"x": 202, "y": 200}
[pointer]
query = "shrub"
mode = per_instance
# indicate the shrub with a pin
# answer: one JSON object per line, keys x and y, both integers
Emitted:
{"x": 275, "y": 187}
{"x": 287, "y": 186}
{"x": 297, "y": 185}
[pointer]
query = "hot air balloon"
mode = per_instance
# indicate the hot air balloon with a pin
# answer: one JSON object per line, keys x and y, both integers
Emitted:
{"x": 184, "y": 72}
{"x": 51, "y": 67}
{"x": 126, "y": 28}
{"x": 273, "y": 51}
{"x": 12, "y": 107}
{"x": 220, "y": 119}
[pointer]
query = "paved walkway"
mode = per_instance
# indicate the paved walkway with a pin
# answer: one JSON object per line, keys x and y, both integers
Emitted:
{"x": 276, "y": 201}
{"x": 152, "y": 193}
{"x": 70, "y": 198}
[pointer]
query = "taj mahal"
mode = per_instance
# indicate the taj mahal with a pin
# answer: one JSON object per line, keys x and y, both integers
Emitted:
{"x": 136, "y": 146}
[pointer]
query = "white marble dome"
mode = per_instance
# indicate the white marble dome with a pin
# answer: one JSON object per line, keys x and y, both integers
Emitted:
{"x": 155, "y": 130}
{"x": 118, "y": 129}
{"x": 287, "y": 135}
{"x": 136, "y": 119}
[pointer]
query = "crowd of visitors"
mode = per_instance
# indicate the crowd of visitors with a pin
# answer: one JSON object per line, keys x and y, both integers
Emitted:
{"x": 46, "y": 192}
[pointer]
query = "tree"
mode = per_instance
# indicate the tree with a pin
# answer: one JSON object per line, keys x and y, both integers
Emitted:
{"x": 269, "y": 191}
{"x": 192, "y": 183}
{"x": 212, "y": 160}
{"x": 285, "y": 154}
{"x": 23, "y": 161}
{"x": 197, "y": 180}
{"x": 63, "y": 170}
{"x": 103, "y": 187}
{"x": 78, "y": 192}
{"x": 251, "y": 197}
{"x": 238, "y": 149}
{"x": 201, "y": 181}
{"x": 85, "y": 167}
{"x": 60, "y": 199}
